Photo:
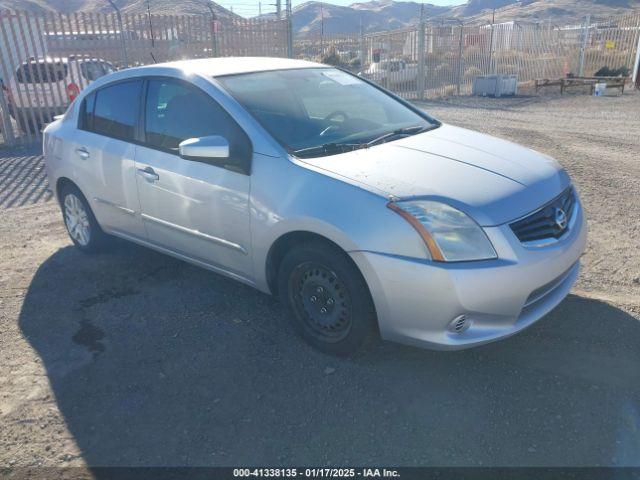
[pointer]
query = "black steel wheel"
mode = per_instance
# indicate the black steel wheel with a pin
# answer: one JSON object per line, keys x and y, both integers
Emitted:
{"x": 320, "y": 297}
{"x": 327, "y": 298}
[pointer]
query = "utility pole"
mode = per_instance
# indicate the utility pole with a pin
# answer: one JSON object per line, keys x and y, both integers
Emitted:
{"x": 259, "y": 9}
{"x": 279, "y": 9}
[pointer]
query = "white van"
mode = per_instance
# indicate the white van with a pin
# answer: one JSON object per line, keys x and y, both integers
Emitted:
{"x": 42, "y": 88}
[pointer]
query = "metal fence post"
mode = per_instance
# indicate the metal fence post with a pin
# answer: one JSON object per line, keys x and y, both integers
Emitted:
{"x": 421, "y": 59}
{"x": 7, "y": 126}
{"x": 460, "y": 58}
{"x": 493, "y": 18}
{"x": 362, "y": 53}
{"x": 636, "y": 64}
{"x": 289, "y": 30}
{"x": 214, "y": 27}
{"x": 123, "y": 43}
{"x": 583, "y": 46}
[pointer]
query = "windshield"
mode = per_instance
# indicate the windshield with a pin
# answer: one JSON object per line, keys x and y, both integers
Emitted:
{"x": 316, "y": 112}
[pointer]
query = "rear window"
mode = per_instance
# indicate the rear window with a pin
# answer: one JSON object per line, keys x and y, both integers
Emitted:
{"x": 41, "y": 72}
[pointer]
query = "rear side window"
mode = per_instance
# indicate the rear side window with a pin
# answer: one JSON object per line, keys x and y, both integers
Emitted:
{"x": 112, "y": 111}
{"x": 41, "y": 72}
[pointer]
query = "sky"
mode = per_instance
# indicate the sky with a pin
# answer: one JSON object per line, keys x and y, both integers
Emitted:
{"x": 250, "y": 8}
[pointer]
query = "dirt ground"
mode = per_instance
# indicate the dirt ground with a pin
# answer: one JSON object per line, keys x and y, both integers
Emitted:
{"x": 132, "y": 358}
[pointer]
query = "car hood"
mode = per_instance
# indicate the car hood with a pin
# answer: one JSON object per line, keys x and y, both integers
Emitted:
{"x": 492, "y": 180}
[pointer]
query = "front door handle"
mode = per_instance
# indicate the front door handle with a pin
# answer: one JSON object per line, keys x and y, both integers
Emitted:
{"x": 149, "y": 174}
{"x": 82, "y": 153}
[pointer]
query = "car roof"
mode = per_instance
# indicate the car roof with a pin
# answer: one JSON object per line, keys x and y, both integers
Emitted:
{"x": 216, "y": 67}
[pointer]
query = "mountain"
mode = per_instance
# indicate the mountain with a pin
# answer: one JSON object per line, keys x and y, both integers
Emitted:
{"x": 313, "y": 17}
{"x": 556, "y": 11}
{"x": 160, "y": 7}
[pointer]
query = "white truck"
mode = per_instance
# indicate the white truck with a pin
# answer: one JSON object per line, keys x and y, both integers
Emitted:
{"x": 391, "y": 73}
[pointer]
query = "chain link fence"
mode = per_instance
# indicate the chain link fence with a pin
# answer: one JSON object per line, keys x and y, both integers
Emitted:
{"x": 442, "y": 59}
{"x": 45, "y": 60}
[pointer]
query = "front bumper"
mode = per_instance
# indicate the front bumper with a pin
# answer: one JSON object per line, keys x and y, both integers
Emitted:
{"x": 416, "y": 300}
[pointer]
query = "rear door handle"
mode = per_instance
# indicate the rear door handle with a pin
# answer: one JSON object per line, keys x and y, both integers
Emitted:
{"x": 149, "y": 174}
{"x": 82, "y": 153}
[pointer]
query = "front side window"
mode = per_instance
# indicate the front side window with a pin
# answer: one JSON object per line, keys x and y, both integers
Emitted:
{"x": 113, "y": 110}
{"x": 175, "y": 112}
{"x": 322, "y": 111}
{"x": 92, "y": 70}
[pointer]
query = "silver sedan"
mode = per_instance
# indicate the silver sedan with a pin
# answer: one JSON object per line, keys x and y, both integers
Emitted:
{"x": 360, "y": 211}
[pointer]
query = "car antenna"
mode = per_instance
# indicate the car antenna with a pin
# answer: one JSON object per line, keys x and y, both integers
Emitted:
{"x": 153, "y": 42}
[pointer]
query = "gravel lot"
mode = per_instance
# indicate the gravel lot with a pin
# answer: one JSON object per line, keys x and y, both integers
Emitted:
{"x": 134, "y": 358}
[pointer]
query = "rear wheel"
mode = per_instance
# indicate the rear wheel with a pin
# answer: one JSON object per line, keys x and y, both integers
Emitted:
{"x": 327, "y": 299}
{"x": 81, "y": 224}
{"x": 29, "y": 125}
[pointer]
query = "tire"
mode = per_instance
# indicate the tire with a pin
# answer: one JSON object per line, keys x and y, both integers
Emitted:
{"x": 81, "y": 224}
{"x": 327, "y": 299}
{"x": 29, "y": 125}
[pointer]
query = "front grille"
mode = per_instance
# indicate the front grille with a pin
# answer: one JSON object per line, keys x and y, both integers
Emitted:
{"x": 550, "y": 221}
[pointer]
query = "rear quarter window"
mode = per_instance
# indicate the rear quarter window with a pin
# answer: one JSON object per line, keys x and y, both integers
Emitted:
{"x": 93, "y": 70}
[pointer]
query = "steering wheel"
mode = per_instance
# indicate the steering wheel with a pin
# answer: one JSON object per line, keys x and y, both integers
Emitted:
{"x": 331, "y": 116}
{"x": 336, "y": 113}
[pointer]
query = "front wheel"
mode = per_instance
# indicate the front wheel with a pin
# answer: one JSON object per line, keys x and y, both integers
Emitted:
{"x": 327, "y": 299}
{"x": 81, "y": 224}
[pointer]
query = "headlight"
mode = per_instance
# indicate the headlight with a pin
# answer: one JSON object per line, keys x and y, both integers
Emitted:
{"x": 450, "y": 235}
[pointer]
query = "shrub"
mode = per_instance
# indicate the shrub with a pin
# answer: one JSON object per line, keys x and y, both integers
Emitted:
{"x": 472, "y": 72}
{"x": 443, "y": 71}
{"x": 354, "y": 64}
{"x": 613, "y": 72}
{"x": 331, "y": 58}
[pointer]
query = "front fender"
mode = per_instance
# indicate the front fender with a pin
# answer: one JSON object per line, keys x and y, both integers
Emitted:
{"x": 287, "y": 197}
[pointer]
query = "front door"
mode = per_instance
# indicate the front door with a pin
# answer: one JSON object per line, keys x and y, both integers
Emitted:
{"x": 198, "y": 209}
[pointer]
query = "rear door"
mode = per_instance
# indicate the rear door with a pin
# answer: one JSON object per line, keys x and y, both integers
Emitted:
{"x": 103, "y": 154}
{"x": 198, "y": 209}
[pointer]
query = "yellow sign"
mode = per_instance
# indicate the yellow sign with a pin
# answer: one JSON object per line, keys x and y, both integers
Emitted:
{"x": 610, "y": 44}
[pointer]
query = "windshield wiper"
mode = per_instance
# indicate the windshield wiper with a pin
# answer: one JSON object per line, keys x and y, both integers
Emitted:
{"x": 406, "y": 131}
{"x": 328, "y": 148}
{"x": 333, "y": 147}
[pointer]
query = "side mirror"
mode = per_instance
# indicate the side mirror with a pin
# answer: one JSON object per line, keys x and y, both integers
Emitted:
{"x": 213, "y": 147}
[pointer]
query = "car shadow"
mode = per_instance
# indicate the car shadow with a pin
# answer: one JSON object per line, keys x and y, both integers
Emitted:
{"x": 154, "y": 362}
